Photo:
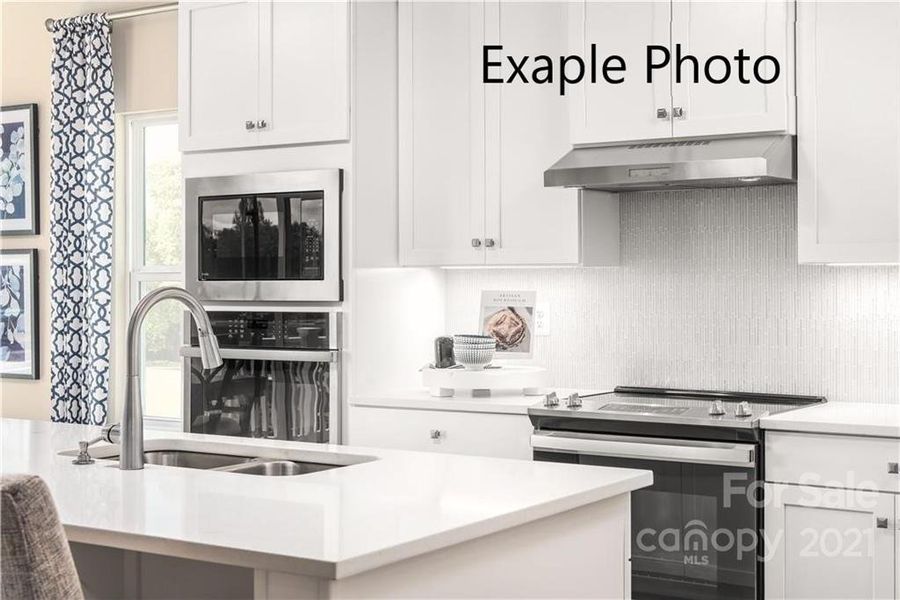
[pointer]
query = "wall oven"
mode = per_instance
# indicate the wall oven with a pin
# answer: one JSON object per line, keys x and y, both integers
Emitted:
{"x": 264, "y": 237}
{"x": 280, "y": 378}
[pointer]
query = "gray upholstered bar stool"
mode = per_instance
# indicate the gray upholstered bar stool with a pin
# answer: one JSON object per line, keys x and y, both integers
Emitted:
{"x": 35, "y": 560}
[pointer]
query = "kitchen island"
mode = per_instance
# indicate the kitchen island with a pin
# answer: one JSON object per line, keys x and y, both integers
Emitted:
{"x": 388, "y": 524}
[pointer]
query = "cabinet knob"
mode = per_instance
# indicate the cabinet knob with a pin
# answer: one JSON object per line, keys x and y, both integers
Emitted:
{"x": 662, "y": 113}
{"x": 436, "y": 434}
{"x": 261, "y": 124}
{"x": 894, "y": 468}
{"x": 881, "y": 522}
{"x": 678, "y": 112}
{"x": 489, "y": 243}
{"x": 476, "y": 243}
{"x": 248, "y": 125}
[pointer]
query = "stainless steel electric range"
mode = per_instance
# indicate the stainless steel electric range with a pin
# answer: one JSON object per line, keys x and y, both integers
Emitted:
{"x": 696, "y": 532}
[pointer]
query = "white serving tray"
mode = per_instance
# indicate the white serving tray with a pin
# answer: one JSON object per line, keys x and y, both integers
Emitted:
{"x": 444, "y": 382}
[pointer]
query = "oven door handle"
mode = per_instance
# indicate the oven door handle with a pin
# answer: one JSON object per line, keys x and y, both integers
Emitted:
{"x": 322, "y": 356}
{"x": 693, "y": 452}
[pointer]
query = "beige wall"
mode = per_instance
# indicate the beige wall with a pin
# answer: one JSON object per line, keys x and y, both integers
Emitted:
{"x": 144, "y": 63}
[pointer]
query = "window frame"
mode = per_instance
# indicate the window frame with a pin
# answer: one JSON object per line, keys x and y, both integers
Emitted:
{"x": 138, "y": 271}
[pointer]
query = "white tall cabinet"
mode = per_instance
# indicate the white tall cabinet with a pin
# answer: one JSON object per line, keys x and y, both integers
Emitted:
{"x": 635, "y": 110}
{"x": 263, "y": 73}
{"x": 848, "y": 187}
{"x": 472, "y": 155}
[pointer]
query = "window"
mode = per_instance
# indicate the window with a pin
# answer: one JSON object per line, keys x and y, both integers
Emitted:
{"x": 155, "y": 257}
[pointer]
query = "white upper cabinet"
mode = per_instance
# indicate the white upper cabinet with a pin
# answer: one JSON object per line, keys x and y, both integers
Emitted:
{"x": 633, "y": 110}
{"x": 218, "y": 57}
{"x": 848, "y": 88}
{"x": 263, "y": 73}
{"x": 442, "y": 160}
{"x": 472, "y": 155}
{"x": 703, "y": 29}
{"x": 525, "y": 222}
{"x": 304, "y": 71}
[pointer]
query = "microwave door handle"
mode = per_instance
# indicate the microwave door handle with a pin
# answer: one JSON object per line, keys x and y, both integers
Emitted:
{"x": 324, "y": 356}
{"x": 730, "y": 455}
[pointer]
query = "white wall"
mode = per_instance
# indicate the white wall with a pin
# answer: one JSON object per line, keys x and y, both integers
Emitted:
{"x": 710, "y": 295}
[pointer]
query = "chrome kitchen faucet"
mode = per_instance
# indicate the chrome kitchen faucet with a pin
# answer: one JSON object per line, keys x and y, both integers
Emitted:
{"x": 130, "y": 432}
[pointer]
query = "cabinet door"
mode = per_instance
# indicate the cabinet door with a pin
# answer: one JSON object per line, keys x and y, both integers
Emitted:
{"x": 442, "y": 160}
{"x": 829, "y": 543}
{"x": 527, "y": 223}
{"x": 703, "y": 29}
{"x": 603, "y": 112}
{"x": 304, "y": 72}
{"x": 848, "y": 132}
{"x": 218, "y": 46}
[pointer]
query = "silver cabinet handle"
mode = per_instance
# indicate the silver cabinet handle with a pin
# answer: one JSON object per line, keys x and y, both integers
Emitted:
{"x": 894, "y": 468}
{"x": 881, "y": 522}
{"x": 489, "y": 243}
{"x": 248, "y": 125}
{"x": 435, "y": 434}
{"x": 261, "y": 124}
{"x": 678, "y": 112}
{"x": 476, "y": 243}
{"x": 662, "y": 113}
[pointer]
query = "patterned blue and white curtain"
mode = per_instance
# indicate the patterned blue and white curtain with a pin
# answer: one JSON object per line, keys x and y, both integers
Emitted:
{"x": 81, "y": 219}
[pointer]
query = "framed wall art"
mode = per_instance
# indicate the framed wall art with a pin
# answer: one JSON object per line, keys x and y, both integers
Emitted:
{"x": 19, "y": 170}
{"x": 508, "y": 317}
{"x": 19, "y": 356}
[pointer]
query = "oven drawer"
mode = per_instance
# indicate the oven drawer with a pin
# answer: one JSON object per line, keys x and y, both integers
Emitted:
{"x": 455, "y": 432}
{"x": 833, "y": 461}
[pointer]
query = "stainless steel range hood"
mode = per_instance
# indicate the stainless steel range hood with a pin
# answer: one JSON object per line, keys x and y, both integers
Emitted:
{"x": 678, "y": 164}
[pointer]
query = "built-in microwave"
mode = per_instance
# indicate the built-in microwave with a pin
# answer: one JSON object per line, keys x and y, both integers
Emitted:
{"x": 264, "y": 237}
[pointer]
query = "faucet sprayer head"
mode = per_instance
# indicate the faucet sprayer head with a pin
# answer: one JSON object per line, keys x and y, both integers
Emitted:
{"x": 209, "y": 349}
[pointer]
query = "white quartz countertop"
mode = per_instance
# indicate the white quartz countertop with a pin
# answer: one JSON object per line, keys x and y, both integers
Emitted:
{"x": 503, "y": 402}
{"x": 841, "y": 418}
{"x": 329, "y": 524}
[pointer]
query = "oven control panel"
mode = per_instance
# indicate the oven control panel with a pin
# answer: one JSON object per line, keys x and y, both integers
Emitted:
{"x": 288, "y": 330}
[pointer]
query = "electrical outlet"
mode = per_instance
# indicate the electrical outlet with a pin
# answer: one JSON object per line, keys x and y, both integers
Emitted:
{"x": 541, "y": 320}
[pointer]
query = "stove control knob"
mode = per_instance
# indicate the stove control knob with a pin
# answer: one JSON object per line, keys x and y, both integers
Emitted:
{"x": 551, "y": 400}
{"x": 573, "y": 401}
{"x": 716, "y": 409}
{"x": 743, "y": 410}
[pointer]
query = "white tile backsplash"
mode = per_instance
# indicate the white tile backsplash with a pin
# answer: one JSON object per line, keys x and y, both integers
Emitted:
{"x": 709, "y": 295}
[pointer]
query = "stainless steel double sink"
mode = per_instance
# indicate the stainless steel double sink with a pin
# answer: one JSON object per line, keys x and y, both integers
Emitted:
{"x": 232, "y": 458}
{"x": 231, "y": 464}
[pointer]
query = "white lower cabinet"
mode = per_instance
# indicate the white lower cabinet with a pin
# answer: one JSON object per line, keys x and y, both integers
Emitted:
{"x": 453, "y": 432}
{"x": 832, "y": 517}
{"x": 830, "y": 543}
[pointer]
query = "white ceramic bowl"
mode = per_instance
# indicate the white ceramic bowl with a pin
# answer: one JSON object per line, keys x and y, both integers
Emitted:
{"x": 473, "y": 359}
